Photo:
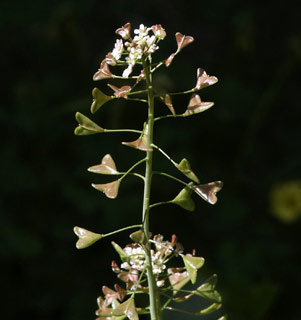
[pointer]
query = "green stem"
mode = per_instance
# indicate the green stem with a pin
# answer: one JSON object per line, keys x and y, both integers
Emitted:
{"x": 179, "y": 310}
{"x": 121, "y": 130}
{"x": 165, "y": 154}
{"x": 136, "y": 92}
{"x": 158, "y": 204}
{"x": 182, "y": 92}
{"x": 169, "y": 116}
{"x": 132, "y": 168}
{"x": 154, "y": 298}
{"x": 172, "y": 177}
{"x": 157, "y": 66}
{"x": 137, "y": 99}
{"x": 120, "y": 230}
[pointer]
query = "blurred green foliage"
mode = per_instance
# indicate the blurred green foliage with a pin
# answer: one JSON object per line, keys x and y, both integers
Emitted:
{"x": 250, "y": 139}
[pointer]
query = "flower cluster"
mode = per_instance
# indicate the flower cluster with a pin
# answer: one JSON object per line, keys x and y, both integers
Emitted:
{"x": 142, "y": 45}
{"x": 136, "y": 255}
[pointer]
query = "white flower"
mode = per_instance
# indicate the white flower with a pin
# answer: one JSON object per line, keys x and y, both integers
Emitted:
{"x": 150, "y": 40}
{"x": 117, "y": 51}
{"x": 157, "y": 262}
{"x": 136, "y": 258}
{"x": 160, "y": 33}
{"x": 127, "y": 71}
{"x": 142, "y": 31}
{"x": 125, "y": 265}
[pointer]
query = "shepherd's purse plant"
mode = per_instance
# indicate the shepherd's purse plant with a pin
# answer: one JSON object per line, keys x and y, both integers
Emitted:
{"x": 143, "y": 269}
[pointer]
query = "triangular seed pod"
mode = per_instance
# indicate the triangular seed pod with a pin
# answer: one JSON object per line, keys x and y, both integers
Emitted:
{"x": 109, "y": 189}
{"x": 107, "y": 166}
{"x": 99, "y": 98}
{"x": 184, "y": 167}
{"x": 208, "y": 191}
{"x": 86, "y": 126}
{"x": 86, "y": 237}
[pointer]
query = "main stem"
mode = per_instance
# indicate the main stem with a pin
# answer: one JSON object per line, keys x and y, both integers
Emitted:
{"x": 154, "y": 298}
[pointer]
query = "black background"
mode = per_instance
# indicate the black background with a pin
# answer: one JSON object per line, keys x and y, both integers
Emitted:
{"x": 250, "y": 139}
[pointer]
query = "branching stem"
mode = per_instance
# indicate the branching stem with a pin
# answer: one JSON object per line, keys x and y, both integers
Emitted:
{"x": 132, "y": 168}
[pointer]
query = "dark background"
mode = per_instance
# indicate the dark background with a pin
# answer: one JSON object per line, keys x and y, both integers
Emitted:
{"x": 250, "y": 139}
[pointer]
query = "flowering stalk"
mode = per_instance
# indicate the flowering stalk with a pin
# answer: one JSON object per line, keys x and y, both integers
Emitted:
{"x": 144, "y": 262}
{"x": 154, "y": 298}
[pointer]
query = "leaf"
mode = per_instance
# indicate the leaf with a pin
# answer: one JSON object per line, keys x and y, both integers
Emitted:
{"x": 127, "y": 308}
{"x": 109, "y": 189}
{"x": 207, "y": 290}
{"x": 196, "y": 106}
{"x": 123, "y": 256}
{"x": 223, "y": 318}
{"x": 208, "y": 191}
{"x": 107, "y": 166}
{"x": 192, "y": 265}
{"x": 183, "y": 199}
{"x": 213, "y": 307}
{"x": 99, "y": 99}
{"x": 168, "y": 103}
{"x": 203, "y": 80}
{"x": 183, "y": 41}
{"x": 184, "y": 167}
{"x": 178, "y": 279}
{"x": 86, "y": 237}
{"x": 86, "y": 126}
